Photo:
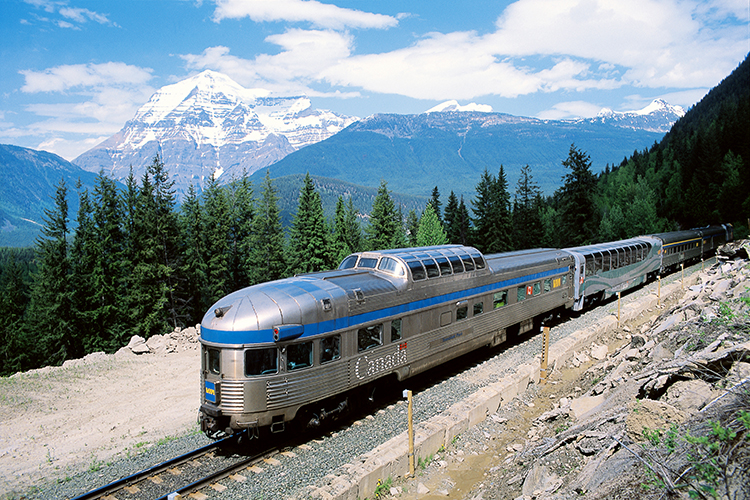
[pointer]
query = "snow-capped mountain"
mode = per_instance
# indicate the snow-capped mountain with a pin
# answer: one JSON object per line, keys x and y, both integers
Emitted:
{"x": 659, "y": 116}
{"x": 209, "y": 124}
{"x": 453, "y": 105}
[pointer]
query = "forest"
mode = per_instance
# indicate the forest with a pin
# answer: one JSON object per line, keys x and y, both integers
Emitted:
{"x": 133, "y": 262}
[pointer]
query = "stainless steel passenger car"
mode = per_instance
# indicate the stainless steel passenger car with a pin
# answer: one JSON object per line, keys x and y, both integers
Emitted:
{"x": 301, "y": 345}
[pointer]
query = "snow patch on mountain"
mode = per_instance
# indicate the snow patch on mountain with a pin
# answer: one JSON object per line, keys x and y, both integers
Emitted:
{"x": 454, "y": 106}
{"x": 211, "y": 125}
{"x": 658, "y": 116}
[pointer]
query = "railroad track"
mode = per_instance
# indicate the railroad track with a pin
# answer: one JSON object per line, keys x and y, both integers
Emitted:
{"x": 183, "y": 475}
{"x": 243, "y": 469}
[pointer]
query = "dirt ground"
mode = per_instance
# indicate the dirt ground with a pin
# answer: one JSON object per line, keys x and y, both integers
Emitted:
{"x": 57, "y": 420}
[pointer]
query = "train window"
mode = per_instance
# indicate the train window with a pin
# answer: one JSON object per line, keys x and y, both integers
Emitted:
{"x": 214, "y": 361}
{"x": 597, "y": 263}
{"x": 468, "y": 263}
{"x": 395, "y": 330}
{"x": 537, "y": 288}
{"x": 462, "y": 313}
{"x": 565, "y": 279}
{"x": 299, "y": 356}
{"x": 368, "y": 262}
{"x": 391, "y": 266}
{"x": 369, "y": 337}
{"x": 431, "y": 267}
{"x": 417, "y": 271}
{"x": 478, "y": 308}
{"x": 456, "y": 263}
{"x": 444, "y": 265}
{"x": 606, "y": 262}
{"x": 445, "y": 318}
{"x": 521, "y": 293}
{"x": 330, "y": 348}
{"x": 348, "y": 262}
{"x": 547, "y": 285}
{"x": 261, "y": 361}
{"x": 499, "y": 299}
{"x": 589, "y": 265}
{"x": 478, "y": 260}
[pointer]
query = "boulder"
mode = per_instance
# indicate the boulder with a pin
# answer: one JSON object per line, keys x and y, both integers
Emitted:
{"x": 138, "y": 345}
{"x": 649, "y": 414}
{"x": 599, "y": 352}
{"x": 584, "y": 404}
{"x": 689, "y": 395}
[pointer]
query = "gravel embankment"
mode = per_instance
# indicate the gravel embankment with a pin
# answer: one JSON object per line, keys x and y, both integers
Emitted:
{"x": 330, "y": 454}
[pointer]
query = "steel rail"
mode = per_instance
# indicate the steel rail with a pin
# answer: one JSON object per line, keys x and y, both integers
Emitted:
{"x": 219, "y": 475}
{"x": 152, "y": 471}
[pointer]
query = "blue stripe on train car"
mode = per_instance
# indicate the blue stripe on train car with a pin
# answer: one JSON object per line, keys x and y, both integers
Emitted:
{"x": 266, "y": 336}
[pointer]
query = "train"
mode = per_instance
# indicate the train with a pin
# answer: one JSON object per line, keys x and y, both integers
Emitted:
{"x": 306, "y": 347}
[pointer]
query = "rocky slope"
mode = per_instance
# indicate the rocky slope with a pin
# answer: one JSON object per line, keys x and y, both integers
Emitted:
{"x": 660, "y": 408}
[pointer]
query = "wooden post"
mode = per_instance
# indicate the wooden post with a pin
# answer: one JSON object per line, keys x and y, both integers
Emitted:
{"x": 658, "y": 293}
{"x": 543, "y": 373}
{"x": 618, "y": 309}
{"x": 682, "y": 282}
{"x": 411, "y": 433}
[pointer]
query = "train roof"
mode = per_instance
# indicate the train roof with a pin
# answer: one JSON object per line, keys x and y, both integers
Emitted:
{"x": 614, "y": 245}
{"x": 520, "y": 259}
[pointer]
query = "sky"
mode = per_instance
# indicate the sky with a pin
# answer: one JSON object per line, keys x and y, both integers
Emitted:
{"x": 74, "y": 71}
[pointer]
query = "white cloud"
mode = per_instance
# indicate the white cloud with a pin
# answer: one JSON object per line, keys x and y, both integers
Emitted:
{"x": 319, "y": 14}
{"x": 69, "y": 148}
{"x": 538, "y": 46}
{"x": 74, "y": 14}
{"x": 304, "y": 54}
{"x": 64, "y": 77}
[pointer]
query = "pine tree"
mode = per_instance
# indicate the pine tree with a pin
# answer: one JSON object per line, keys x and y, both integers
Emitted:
{"x": 465, "y": 229}
{"x": 492, "y": 221}
{"x": 347, "y": 234}
{"x": 436, "y": 204}
{"x": 51, "y": 313}
{"x": 13, "y": 302}
{"x": 151, "y": 296}
{"x": 309, "y": 243}
{"x": 108, "y": 274}
{"x": 431, "y": 230}
{"x": 216, "y": 225}
{"x": 241, "y": 231}
{"x": 385, "y": 223}
{"x": 451, "y": 219}
{"x": 83, "y": 280}
{"x": 267, "y": 259}
{"x": 193, "y": 272}
{"x": 527, "y": 221}
{"x": 412, "y": 227}
{"x": 579, "y": 216}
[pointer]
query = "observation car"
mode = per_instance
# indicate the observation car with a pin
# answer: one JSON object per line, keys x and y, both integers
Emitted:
{"x": 304, "y": 347}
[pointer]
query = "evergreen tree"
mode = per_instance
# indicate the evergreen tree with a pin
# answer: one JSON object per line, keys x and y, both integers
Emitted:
{"x": 492, "y": 220}
{"x": 436, "y": 204}
{"x": 216, "y": 226}
{"x": 527, "y": 220}
{"x": 109, "y": 278}
{"x": 191, "y": 294}
{"x": 451, "y": 219}
{"x": 267, "y": 258}
{"x": 309, "y": 244}
{"x": 412, "y": 227}
{"x": 579, "y": 216}
{"x": 241, "y": 231}
{"x": 83, "y": 279}
{"x": 431, "y": 230}
{"x": 385, "y": 223}
{"x": 51, "y": 316}
{"x": 465, "y": 229}
{"x": 399, "y": 237}
{"x": 151, "y": 285}
{"x": 347, "y": 234}
{"x": 13, "y": 302}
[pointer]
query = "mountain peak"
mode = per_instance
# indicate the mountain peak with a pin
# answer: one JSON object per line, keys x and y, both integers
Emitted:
{"x": 658, "y": 116}
{"x": 209, "y": 124}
